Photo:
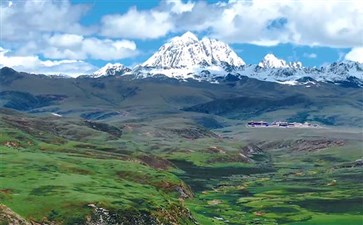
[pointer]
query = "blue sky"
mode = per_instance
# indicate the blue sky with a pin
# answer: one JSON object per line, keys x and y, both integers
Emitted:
{"x": 79, "y": 36}
{"x": 252, "y": 54}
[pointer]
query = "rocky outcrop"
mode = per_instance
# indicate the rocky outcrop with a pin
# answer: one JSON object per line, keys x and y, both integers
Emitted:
{"x": 102, "y": 216}
{"x": 7, "y": 216}
{"x": 171, "y": 215}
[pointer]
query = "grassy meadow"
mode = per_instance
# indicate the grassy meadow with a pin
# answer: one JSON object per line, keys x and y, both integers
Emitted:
{"x": 54, "y": 170}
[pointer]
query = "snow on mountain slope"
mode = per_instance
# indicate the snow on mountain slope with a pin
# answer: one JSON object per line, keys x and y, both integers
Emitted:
{"x": 187, "y": 51}
{"x": 270, "y": 61}
{"x": 111, "y": 69}
{"x": 186, "y": 57}
{"x": 344, "y": 69}
{"x": 342, "y": 72}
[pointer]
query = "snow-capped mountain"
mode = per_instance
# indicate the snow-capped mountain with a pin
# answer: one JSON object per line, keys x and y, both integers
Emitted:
{"x": 187, "y": 57}
{"x": 111, "y": 69}
{"x": 270, "y": 61}
{"x": 346, "y": 72}
{"x": 346, "y": 68}
{"x": 341, "y": 72}
{"x": 187, "y": 51}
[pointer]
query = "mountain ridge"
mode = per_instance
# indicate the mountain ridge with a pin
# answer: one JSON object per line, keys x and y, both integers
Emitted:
{"x": 271, "y": 61}
{"x": 111, "y": 69}
{"x": 187, "y": 57}
{"x": 124, "y": 97}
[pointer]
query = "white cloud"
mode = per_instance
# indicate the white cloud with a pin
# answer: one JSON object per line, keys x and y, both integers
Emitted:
{"x": 310, "y": 55}
{"x": 137, "y": 24}
{"x": 52, "y": 29}
{"x": 356, "y": 54}
{"x": 33, "y": 64}
{"x": 65, "y": 40}
{"x": 108, "y": 49}
{"x": 27, "y": 20}
{"x": 179, "y": 7}
{"x": 71, "y": 46}
{"x": 262, "y": 22}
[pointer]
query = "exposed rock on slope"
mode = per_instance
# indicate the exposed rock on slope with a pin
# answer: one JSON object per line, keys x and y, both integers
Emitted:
{"x": 7, "y": 216}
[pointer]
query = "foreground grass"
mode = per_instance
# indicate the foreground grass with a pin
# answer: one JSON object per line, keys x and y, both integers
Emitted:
{"x": 38, "y": 184}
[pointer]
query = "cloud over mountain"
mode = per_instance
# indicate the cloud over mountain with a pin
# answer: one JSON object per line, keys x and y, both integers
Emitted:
{"x": 266, "y": 23}
{"x": 356, "y": 54}
{"x": 33, "y": 64}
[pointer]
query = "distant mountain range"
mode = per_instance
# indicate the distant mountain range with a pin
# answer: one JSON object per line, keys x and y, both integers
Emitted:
{"x": 111, "y": 70}
{"x": 186, "y": 57}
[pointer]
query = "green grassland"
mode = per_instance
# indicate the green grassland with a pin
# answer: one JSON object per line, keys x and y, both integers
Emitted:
{"x": 304, "y": 189}
{"x": 162, "y": 151}
{"x": 52, "y": 169}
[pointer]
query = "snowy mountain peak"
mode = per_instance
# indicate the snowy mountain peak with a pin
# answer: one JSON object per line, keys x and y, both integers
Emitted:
{"x": 187, "y": 57}
{"x": 187, "y": 51}
{"x": 111, "y": 69}
{"x": 270, "y": 56}
{"x": 344, "y": 69}
{"x": 189, "y": 35}
{"x": 271, "y": 61}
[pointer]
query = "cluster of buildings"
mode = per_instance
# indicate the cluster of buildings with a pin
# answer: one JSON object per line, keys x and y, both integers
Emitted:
{"x": 282, "y": 124}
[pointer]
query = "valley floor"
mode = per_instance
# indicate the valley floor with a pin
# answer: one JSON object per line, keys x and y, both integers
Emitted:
{"x": 67, "y": 171}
